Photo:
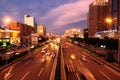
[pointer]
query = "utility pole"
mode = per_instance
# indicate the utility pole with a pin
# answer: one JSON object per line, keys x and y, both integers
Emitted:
{"x": 28, "y": 44}
{"x": 119, "y": 46}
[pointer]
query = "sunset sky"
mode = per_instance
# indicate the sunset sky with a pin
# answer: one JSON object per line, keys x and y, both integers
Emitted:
{"x": 56, "y": 15}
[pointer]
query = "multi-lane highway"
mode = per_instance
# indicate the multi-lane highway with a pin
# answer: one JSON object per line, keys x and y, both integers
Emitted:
{"x": 79, "y": 62}
{"x": 37, "y": 66}
{"x": 78, "y": 65}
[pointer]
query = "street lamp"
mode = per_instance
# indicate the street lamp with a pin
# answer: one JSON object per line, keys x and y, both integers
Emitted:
{"x": 6, "y": 22}
{"x": 108, "y": 20}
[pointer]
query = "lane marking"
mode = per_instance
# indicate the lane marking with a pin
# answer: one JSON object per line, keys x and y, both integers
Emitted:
{"x": 73, "y": 68}
{"x": 25, "y": 75}
{"x": 78, "y": 76}
{"x": 68, "y": 68}
{"x": 8, "y": 74}
{"x": 8, "y": 77}
{"x": 105, "y": 75}
{"x": 10, "y": 69}
{"x": 70, "y": 61}
{"x": 112, "y": 70}
{"x": 40, "y": 72}
{"x": 28, "y": 62}
{"x": 80, "y": 62}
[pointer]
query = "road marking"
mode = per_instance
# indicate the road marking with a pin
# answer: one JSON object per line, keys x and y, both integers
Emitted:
{"x": 70, "y": 61}
{"x": 70, "y": 68}
{"x": 8, "y": 77}
{"x": 10, "y": 69}
{"x": 77, "y": 76}
{"x": 112, "y": 70}
{"x": 40, "y": 72}
{"x": 80, "y": 62}
{"x": 8, "y": 74}
{"x": 73, "y": 68}
{"x": 105, "y": 75}
{"x": 28, "y": 62}
{"x": 25, "y": 75}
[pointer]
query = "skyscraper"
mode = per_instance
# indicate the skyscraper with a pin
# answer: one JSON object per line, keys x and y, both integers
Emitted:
{"x": 98, "y": 10}
{"x": 29, "y": 20}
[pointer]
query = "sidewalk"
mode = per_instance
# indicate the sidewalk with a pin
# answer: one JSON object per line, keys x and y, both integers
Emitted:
{"x": 103, "y": 52}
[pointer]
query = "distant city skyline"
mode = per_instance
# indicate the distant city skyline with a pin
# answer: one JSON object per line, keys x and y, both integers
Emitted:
{"x": 56, "y": 15}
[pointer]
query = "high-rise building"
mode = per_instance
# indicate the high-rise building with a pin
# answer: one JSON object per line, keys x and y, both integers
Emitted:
{"x": 41, "y": 30}
{"x": 29, "y": 20}
{"x": 115, "y": 13}
{"x": 96, "y": 17}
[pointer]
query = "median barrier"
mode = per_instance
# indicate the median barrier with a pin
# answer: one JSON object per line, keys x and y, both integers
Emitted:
{"x": 52, "y": 75}
{"x": 63, "y": 75}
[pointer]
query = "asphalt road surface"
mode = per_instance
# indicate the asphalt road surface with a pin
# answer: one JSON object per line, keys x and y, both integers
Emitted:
{"x": 79, "y": 64}
{"x": 37, "y": 66}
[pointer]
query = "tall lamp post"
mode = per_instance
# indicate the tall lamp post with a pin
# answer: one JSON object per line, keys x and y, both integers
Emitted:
{"x": 119, "y": 48}
{"x": 6, "y": 21}
{"x": 109, "y": 21}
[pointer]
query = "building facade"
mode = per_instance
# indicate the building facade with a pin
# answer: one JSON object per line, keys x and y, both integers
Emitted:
{"x": 99, "y": 10}
{"x": 29, "y": 20}
{"x": 115, "y": 14}
{"x": 41, "y": 30}
{"x": 24, "y": 29}
{"x": 74, "y": 32}
{"x": 9, "y": 36}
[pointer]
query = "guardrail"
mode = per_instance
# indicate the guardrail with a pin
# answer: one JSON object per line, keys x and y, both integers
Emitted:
{"x": 63, "y": 75}
{"x": 102, "y": 61}
{"x": 52, "y": 75}
{"x": 1, "y": 68}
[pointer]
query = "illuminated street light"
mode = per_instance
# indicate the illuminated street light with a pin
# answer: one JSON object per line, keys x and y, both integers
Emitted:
{"x": 7, "y": 20}
{"x": 108, "y": 20}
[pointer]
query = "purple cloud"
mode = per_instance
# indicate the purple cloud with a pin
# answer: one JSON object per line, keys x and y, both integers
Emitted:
{"x": 66, "y": 14}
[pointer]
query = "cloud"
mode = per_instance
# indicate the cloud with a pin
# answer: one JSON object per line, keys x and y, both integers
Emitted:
{"x": 66, "y": 14}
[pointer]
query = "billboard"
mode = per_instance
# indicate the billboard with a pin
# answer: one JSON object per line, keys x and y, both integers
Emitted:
{"x": 34, "y": 38}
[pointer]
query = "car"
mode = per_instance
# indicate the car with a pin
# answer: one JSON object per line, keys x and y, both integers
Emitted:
{"x": 72, "y": 56}
{"x": 84, "y": 58}
{"x": 48, "y": 53}
{"x": 53, "y": 55}
{"x": 43, "y": 51}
